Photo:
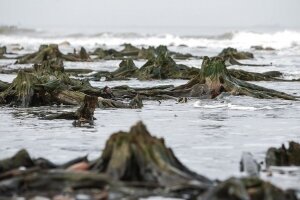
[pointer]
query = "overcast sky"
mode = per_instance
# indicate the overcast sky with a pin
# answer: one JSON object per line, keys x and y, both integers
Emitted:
{"x": 149, "y": 13}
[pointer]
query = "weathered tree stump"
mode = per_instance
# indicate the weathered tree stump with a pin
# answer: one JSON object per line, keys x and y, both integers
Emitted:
{"x": 23, "y": 90}
{"x": 283, "y": 156}
{"x": 83, "y": 55}
{"x": 138, "y": 156}
{"x": 234, "y": 53}
{"x": 20, "y": 159}
{"x": 48, "y": 52}
{"x": 85, "y": 113}
{"x": 162, "y": 66}
{"x": 214, "y": 78}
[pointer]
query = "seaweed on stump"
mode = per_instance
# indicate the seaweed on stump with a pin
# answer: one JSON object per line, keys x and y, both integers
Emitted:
{"x": 46, "y": 52}
{"x": 139, "y": 157}
{"x": 22, "y": 91}
{"x": 126, "y": 69}
{"x": 214, "y": 78}
{"x": 162, "y": 66}
{"x": 129, "y": 50}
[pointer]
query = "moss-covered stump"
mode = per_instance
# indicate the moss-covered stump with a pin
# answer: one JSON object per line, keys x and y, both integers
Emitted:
{"x": 234, "y": 53}
{"x": 48, "y": 52}
{"x": 247, "y": 189}
{"x": 129, "y": 50}
{"x": 164, "y": 67}
{"x": 127, "y": 69}
{"x": 284, "y": 156}
{"x": 137, "y": 156}
{"x": 151, "y": 52}
{"x": 23, "y": 91}
{"x": 109, "y": 54}
{"x": 214, "y": 79}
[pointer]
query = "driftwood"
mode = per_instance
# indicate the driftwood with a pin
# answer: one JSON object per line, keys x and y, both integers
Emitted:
{"x": 232, "y": 61}
{"x": 253, "y": 76}
{"x": 247, "y": 188}
{"x": 284, "y": 156}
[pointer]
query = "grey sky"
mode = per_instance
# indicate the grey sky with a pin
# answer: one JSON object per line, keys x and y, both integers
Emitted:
{"x": 147, "y": 13}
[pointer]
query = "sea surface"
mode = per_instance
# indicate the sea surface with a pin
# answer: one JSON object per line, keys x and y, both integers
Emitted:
{"x": 208, "y": 136}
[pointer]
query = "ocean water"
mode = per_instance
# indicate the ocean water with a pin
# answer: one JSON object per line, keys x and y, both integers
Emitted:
{"x": 208, "y": 136}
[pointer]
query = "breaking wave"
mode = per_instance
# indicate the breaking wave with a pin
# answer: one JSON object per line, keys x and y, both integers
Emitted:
{"x": 237, "y": 39}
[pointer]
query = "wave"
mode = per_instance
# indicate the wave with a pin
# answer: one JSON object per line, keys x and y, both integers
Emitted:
{"x": 198, "y": 104}
{"x": 239, "y": 39}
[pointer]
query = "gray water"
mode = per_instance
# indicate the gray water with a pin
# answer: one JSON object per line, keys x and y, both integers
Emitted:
{"x": 208, "y": 136}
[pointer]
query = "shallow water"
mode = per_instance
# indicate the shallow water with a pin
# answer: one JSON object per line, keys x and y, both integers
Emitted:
{"x": 208, "y": 136}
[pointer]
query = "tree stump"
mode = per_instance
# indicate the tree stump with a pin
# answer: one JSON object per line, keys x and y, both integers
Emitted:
{"x": 283, "y": 156}
{"x": 234, "y": 53}
{"x": 85, "y": 113}
{"x": 138, "y": 156}
{"x": 215, "y": 77}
